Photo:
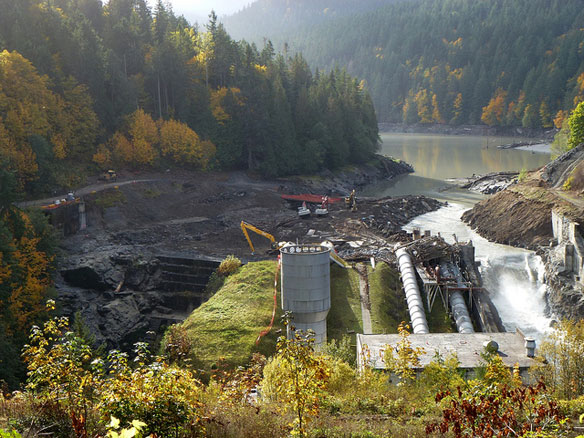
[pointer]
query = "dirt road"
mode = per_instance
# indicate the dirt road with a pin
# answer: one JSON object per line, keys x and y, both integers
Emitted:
{"x": 81, "y": 192}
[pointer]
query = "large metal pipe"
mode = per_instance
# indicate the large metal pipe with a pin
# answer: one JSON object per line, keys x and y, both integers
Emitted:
{"x": 457, "y": 304}
{"x": 413, "y": 296}
{"x": 460, "y": 313}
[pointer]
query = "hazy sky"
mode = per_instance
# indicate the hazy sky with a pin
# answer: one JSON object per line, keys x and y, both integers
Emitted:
{"x": 192, "y": 9}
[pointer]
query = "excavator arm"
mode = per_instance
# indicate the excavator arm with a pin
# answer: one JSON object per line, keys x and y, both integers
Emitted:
{"x": 245, "y": 226}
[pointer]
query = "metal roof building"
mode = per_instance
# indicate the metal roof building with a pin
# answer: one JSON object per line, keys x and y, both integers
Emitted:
{"x": 467, "y": 346}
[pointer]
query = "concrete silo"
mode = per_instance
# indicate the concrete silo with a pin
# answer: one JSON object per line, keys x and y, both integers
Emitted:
{"x": 306, "y": 287}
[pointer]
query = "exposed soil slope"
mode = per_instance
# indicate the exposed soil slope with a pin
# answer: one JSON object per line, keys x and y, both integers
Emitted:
{"x": 521, "y": 215}
{"x": 508, "y": 217}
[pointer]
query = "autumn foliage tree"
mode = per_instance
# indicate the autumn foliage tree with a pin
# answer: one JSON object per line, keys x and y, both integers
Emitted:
{"x": 493, "y": 113}
{"x": 142, "y": 141}
{"x": 26, "y": 261}
{"x": 297, "y": 376}
{"x": 29, "y": 108}
{"x": 183, "y": 146}
{"x": 404, "y": 361}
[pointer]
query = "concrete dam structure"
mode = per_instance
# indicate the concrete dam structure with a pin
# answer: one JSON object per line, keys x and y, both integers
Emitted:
{"x": 306, "y": 288}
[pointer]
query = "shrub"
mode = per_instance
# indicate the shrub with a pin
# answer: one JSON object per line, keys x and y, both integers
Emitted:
{"x": 228, "y": 266}
{"x": 297, "y": 377}
{"x": 442, "y": 374}
{"x": 522, "y": 175}
{"x": 567, "y": 186}
{"x": 63, "y": 375}
{"x": 497, "y": 410}
{"x": 177, "y": 345}
{"x": 563, "y": 369}
{"x": 163, "y": 396}
{"x": 341, "y": 350}
{"x": 407, "y": 358}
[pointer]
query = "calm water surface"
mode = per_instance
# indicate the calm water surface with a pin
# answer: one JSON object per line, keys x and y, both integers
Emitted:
{"x": 437, "y": 158}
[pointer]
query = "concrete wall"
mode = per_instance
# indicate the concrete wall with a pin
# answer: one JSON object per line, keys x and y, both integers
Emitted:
{"x": 570, "y": 245}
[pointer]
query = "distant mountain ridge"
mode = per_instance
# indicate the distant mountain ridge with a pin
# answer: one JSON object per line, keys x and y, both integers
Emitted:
{"x": 499, "y": 62}
{"x": 267, "y": 18}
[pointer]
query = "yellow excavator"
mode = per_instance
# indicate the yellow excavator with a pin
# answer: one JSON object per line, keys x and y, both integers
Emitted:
{"x": 276, "y": 246}
{"x": 245, "y": 226}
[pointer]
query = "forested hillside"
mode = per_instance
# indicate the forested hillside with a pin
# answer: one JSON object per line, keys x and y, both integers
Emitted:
{"x": 85, "y": 86}
{"x": 500, "y": 62}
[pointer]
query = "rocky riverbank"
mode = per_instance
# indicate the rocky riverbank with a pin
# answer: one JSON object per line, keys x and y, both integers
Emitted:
{"x": 488, "y": 184}
{"x": 546, "y": 135}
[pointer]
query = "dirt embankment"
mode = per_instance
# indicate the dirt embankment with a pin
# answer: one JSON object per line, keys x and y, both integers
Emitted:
{"x": 508, "y": 217}
{"x": 521, "y": 215}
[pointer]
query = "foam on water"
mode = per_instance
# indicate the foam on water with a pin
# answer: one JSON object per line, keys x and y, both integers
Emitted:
{"x": 513, "y": 276}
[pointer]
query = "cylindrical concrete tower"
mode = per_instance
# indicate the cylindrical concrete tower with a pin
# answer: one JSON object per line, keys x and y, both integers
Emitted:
{"x": 306, "y": 287}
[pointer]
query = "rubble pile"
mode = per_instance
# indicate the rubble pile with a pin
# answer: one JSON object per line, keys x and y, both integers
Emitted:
{"x": 429, "y": 248}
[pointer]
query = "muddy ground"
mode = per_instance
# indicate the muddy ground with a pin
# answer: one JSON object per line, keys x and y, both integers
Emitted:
{"x": 114, "y": 271}
{"x": 200, "y": 213}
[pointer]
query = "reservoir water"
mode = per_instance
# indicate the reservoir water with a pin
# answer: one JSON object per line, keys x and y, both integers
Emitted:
{"x": 513, "y": 276}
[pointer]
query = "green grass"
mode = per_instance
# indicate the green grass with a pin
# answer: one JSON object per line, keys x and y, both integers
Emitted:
{"x": 345, "y": 313}
{"x": 388, "y": 306}
{"x": 439, "y": 321}
{"x": 226, "y": 326}
{"x": 224, "y": 329}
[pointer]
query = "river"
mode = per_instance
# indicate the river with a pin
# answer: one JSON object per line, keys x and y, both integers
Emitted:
{"x": 513, "y": 276}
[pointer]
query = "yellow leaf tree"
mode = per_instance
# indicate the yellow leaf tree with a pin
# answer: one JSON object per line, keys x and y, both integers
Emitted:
{"x": 183, "y": 145}
{"x": 136, "y": 144}
{"x": 494, "y": 112}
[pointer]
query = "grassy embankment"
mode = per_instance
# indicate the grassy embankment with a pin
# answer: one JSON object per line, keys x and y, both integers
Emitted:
{"x": 226, "y": 326}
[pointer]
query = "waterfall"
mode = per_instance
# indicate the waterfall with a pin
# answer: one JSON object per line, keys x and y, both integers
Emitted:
{"x": 513, "y": 276}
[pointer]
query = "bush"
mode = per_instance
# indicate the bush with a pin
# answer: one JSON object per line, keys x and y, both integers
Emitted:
{"x": 341, "y": 350}
{"x": 563, "y": 368}
{"x": 163, "y": 396}
{"x": 177, "y": 345}
{"x": 567, "y": 186}
{"x": 442, "y": 374}
{"x": 228, "y": 266}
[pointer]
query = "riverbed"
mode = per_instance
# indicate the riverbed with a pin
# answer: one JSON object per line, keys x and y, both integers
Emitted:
{"x": 513, "y": 276}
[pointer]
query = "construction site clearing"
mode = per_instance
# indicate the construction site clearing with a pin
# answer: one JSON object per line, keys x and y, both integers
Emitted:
{"x": 148, "y": 244}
